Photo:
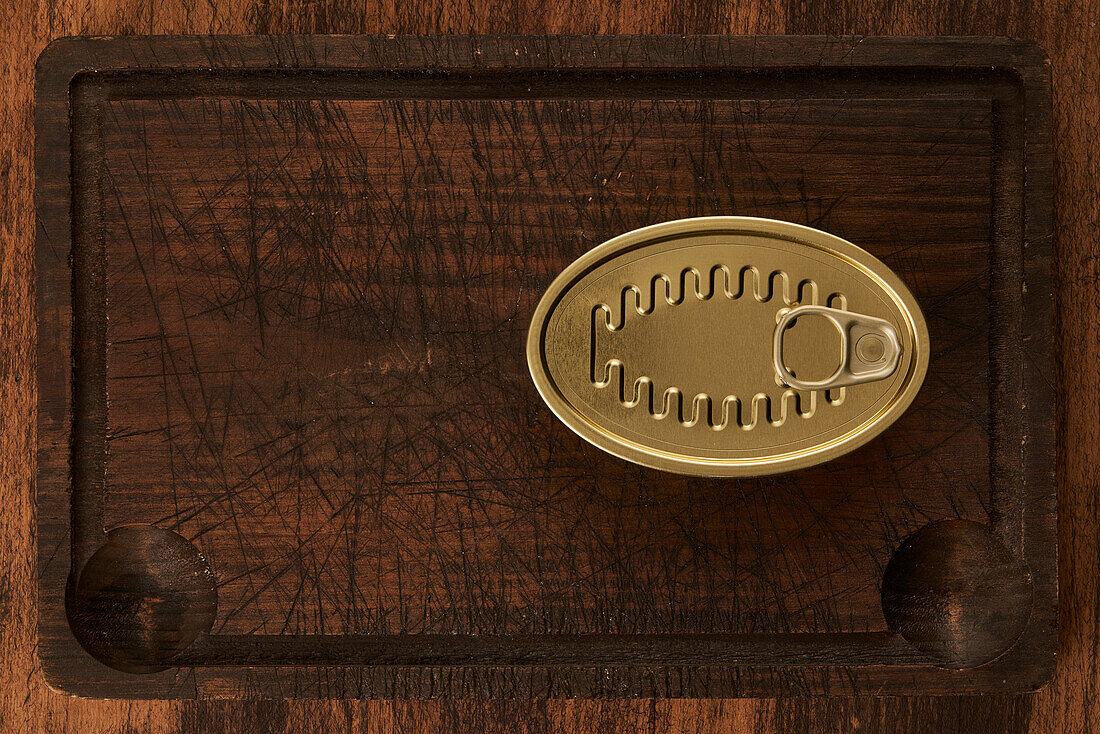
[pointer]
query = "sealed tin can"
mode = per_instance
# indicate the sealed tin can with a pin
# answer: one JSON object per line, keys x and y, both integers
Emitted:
{"x": 728, "y": 346}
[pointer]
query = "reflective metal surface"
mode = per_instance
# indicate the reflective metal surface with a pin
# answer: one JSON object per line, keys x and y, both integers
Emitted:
{"x": 727, "y": 346}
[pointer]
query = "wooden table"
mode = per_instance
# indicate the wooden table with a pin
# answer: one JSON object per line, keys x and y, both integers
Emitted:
{"x": 1068, "y": 32}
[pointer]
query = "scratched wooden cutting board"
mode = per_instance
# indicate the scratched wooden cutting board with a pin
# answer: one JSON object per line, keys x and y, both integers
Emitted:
{"x": 284, "y": 292}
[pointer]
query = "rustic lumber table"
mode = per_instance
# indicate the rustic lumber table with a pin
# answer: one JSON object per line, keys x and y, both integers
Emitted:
{"x": 1068, "y": 35}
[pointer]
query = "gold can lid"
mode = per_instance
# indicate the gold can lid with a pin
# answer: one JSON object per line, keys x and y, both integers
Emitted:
{"x": 728, "y": 346}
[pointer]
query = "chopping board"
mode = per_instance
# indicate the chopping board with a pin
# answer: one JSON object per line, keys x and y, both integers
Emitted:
{"x": 288, "y": 444}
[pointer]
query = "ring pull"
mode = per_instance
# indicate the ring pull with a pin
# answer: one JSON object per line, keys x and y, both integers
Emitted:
{"x": 870, "y": 348}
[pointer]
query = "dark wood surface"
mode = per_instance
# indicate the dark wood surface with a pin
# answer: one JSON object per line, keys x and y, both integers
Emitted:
{"x": 299, "y": 303}
{"x": 1067, "y": 33}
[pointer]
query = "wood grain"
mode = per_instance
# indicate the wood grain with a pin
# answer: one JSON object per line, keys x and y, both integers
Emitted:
{"x": 1067, "y": 30}
{"x": 325, "y": 297}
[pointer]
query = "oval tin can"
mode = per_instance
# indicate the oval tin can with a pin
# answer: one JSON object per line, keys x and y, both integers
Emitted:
{"x": 728, "y": 346}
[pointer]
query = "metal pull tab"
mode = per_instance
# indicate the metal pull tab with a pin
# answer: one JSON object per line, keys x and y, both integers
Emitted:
{"x": 870, "y": 348}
